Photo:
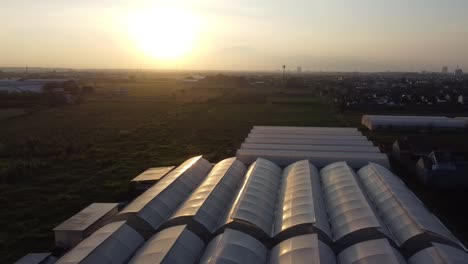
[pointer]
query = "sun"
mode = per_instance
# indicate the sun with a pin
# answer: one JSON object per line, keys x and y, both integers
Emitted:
{"x": 164, "y": 34}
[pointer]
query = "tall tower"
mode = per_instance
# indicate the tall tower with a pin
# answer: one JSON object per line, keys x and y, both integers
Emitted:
{"x": 284, "y": 74}
{"x": 444, "y": 70}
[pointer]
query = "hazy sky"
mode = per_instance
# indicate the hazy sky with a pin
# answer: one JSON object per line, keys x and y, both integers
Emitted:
{"x": 361, "y": 35}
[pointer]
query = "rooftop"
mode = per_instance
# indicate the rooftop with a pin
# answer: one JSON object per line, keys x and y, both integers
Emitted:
{"x": 320, "y": 145}
{"x": 86, "y": 217}
{"x": 153, "y": 174}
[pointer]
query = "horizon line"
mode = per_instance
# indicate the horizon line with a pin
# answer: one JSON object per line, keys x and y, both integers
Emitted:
{"x": 292, "y": 70}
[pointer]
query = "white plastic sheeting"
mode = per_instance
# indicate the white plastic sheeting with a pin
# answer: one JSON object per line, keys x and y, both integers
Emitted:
{"x": 376, "y": 122}
{"x": 400, "y": 209}
{"x": 439, "y": 253}
{"x": 319, "y": 148}
{"x": 305, "y": 249}
{"x": 377, "y": 251}
{"x": 151, "y": 208}
{"x": 307, "y": 130}
{"x": 153, "y": 174}
{"x": 300, "y": 203}
{"x": 350, "y": 213}
{"x": 306, "y": 136}
{"x": 256, "y": 201}
{"x": 336, "y": 132}
{"x": 289, "y": 211}
{"x": 175, "y": 245}
{"x": 84, "y": 223}
{"x": 113, "y": 243}
{"x": 298, "y": 141}
{"x": 319, "y": 159}
{"x": 207, "y": 204}
{"x": 234, "y": 247}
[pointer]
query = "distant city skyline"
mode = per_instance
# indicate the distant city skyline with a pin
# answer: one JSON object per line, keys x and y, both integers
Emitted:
{"x": 334, "y": 35}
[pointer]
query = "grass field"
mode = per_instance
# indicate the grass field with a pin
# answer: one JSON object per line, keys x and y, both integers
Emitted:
{"x": 11, "y": 112}
{"x": 55, "y": 162}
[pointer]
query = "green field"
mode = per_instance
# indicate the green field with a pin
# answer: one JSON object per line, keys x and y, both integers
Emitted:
{"x": 11, "y": 112}
{"x": 55, "y": 162}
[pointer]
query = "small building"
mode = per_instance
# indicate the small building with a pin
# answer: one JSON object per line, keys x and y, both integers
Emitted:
{"x": 441, "y": 170}
{"x": 413, "y": 123}
{"x": 401, "y": 149}
{"x": 407, "y": 151}
{"x": 69, "y": 233}
{"x": 18, "y": 85}
{"x": 149, "y": 177}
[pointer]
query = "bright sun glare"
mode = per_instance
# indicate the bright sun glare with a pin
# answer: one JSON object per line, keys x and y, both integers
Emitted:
{"x": 164, "y": 34}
